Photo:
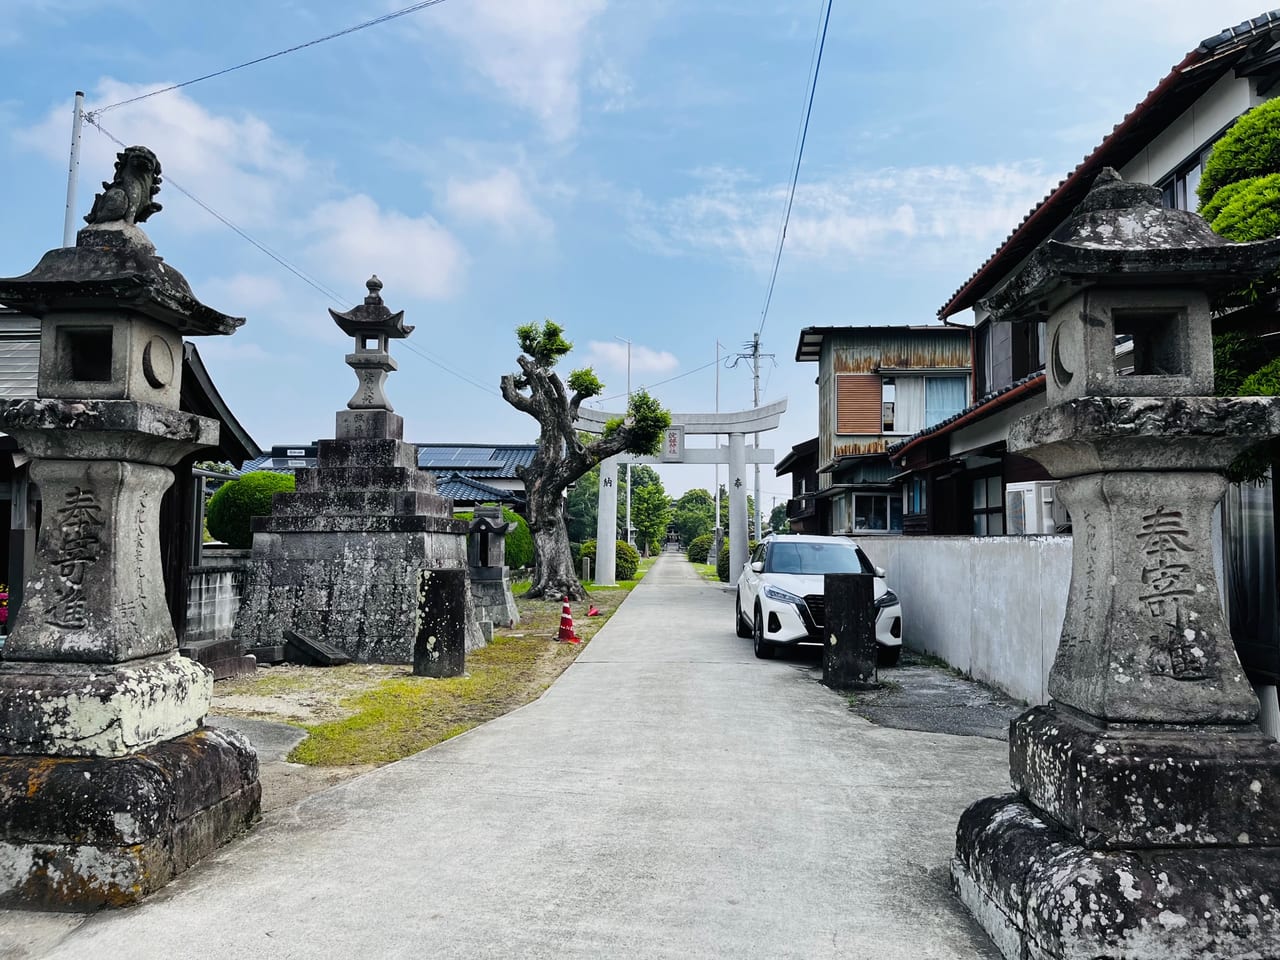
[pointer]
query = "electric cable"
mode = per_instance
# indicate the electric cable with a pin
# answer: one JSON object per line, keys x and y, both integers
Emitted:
{"x": 394, "y": 15}
{"x": 660, "y": 383}
{"x": 795, "y": 174}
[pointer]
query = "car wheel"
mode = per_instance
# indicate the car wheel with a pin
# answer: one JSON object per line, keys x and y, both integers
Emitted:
{"x": 888, "y": 656}
{"x": 739, "y": 623}
{"x": 764, "y": 649}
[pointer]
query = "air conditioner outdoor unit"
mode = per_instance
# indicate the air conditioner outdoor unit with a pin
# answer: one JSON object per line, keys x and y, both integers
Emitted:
{"x": 1029, "y": 508}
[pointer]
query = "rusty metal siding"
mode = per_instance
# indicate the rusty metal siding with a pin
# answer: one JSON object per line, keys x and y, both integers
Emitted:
{"x": 908, "y": 350}
{"x": 860, "y": 448}
{"x": 826, "y": 416}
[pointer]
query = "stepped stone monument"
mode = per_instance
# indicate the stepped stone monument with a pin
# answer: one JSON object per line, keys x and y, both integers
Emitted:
{"x": 109, "y": 783}
{"x": 345, "y": 558}
{"x": 1146, "y": 818}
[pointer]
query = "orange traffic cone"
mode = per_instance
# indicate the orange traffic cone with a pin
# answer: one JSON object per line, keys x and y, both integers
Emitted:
{"x": 594, "y": 611}
{"x": 566, "y": 625}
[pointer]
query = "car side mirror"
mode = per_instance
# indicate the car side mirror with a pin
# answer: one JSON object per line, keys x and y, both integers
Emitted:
{"x": 880, "y": 573}
{"x": 757, "y": 566}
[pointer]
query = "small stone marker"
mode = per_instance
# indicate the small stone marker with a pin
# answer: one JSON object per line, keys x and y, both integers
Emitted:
{"x": 440, "y": 649}
{"x": 312, "y": 653}
{"x": 849, "y": 643}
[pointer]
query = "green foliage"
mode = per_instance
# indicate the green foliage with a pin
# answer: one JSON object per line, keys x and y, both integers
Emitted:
{"x": 1246, "y": 210}
{"x": 234, "y": 504}
{"x": 626, "y": 559}
{"x": 586, "y": 383}
{"x": 694, "y": 515}
{"x": 648, "y": 423}
{"x": 722, "y": 562}
{"x": 1263, "y": 382}
{"x": 650, "y": 511}
{"x": 518, "y": 545}
{"x": 1251, "y": 148}
{"x": 545, "y": 344}
{"x": 582, "y": 505}
{"x": 575, "y": 554}
{"x": 778, "y": 521}
{"x": 700, "y": 547}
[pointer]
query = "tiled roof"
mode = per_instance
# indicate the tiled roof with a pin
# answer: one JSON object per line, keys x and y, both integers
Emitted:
{"x": 989, "y": 400}
{"x": 495, "y": 461}
{"x": 1212, "y": 58}
{"x": 459, "y": 487}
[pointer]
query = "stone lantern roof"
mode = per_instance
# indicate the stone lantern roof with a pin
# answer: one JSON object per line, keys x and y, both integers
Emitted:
{"x": 1120, "y": 235}
{"x": 373, "y": 317}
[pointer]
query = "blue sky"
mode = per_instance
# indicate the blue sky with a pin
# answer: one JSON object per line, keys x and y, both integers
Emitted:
{"x": 618, "y": 166}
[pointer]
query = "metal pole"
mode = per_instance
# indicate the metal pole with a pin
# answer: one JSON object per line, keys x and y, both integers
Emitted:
{"x": 73, "y": 171}
{"x": 715, "y": 491}
{"x": 629, "y": 537}
{"x": 755, "y": 362}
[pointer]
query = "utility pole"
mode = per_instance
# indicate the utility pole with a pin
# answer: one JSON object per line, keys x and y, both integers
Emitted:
{"x": 628, "y": 343}
{"x": 73, "y": 170}
{"x": 717, "y": 537}
{"x": 751, "y": 351}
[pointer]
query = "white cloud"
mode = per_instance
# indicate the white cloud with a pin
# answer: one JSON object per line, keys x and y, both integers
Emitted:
{"x": 413, "y": 256}
{"x": 500, "y": 200}
{"x": 876, "y": 213}
{"x": 237, "y": 165}
{"x": 613, "y": 354}
{"x": 613, "y": 87}
{"x": 531, "y": 50}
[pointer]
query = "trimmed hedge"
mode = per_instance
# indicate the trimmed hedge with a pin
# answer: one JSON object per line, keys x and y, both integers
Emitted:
{"x": 519, "y": 540}
{"x": 722, "y": 563}
{"x": 234, "y": 504}
{"x": 626, "y": 559}
{"x": 700, "y": 548}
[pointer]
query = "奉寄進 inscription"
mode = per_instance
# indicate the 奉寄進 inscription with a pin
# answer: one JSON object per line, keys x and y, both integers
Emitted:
{"x": 80, "y": 522}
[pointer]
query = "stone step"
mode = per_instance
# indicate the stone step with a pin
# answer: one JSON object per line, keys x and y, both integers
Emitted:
{"x": 350, "y": 523}
{"x": 206, "y": 652}
{"x": 272, "y": 653}
{"x": 314, "y": 480}
{"x": 233, "y": 667}
{"x": 367, "y": 453}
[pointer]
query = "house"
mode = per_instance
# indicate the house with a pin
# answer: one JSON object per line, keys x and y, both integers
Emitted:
{"x": 876, "y": 384}
{"x": 467, "y": 473}
{"x": 959, "y": 476}
{"x": 180, "y": 509}
{"x": 801, "y": 463}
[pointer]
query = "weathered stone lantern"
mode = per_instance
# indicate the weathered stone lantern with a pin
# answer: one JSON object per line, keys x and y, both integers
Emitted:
{"x": 109, "y": 784}
{"x": 1146, "y": 821}
{"x": 487, "y": 566}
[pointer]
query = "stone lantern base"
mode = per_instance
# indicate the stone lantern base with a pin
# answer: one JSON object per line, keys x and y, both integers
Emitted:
{"x": 80, "y": 833}
{"x": 1127, "y": 840}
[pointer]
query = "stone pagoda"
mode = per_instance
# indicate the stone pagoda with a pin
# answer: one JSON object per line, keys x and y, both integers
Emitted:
{"x": 1146, "y": 821}
{"x": 345, "y": 559}
{"x": 109, "y": 783}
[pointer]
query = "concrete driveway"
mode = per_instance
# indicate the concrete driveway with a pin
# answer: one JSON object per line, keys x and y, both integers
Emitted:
{"x": 669, "y": 796}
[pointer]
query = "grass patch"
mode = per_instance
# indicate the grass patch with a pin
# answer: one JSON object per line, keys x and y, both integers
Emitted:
{"x": 707, "y": 571}
{"x": 405, "y": 714}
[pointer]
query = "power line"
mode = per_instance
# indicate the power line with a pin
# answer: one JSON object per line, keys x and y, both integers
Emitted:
{"x": 795, "y": 173}
{"x": 679, "y": 376}
{"x": 306, "y": 278}
{"x": 394, "y": 15}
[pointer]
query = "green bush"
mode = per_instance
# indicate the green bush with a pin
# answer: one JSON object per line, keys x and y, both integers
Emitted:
{"x": 626, "y": 559}
{"x": 722, "y": 563}
{"x": 234, "y": 504}
{"x": 1251, "y": 148}
{"x": 518, "y": 546}
{"x": 575, "y": 555}
{"x": 700, "y": 548}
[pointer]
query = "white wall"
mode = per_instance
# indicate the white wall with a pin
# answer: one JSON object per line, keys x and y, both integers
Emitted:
{"x": 990, "y": 606}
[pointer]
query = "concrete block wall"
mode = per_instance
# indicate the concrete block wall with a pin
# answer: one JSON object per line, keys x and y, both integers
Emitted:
{"x": 214, "y": 590}
{"x": 990, "y": 606}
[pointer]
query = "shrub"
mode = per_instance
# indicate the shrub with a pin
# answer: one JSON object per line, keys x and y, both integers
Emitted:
{"x": 518, "y": 546}
{"x": 722, "y": 563}
{"x": 1251, "y": 148}
{"x": 575, "y": 555}
{"x": 234, "y": 504}
{"x": 700, "y": 548}
{"x": 628, "y": 561}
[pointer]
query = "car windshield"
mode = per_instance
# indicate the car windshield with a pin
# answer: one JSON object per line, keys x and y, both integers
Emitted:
{"x": 817, "y": 558}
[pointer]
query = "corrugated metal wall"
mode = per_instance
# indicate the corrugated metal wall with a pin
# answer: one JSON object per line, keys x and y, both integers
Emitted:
{"x": 19, "y": 355}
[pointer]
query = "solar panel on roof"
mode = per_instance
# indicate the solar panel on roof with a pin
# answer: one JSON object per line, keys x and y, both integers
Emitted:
{"x": 454, "y": 458}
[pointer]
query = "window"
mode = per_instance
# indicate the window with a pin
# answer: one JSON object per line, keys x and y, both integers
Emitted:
{"x": 944, "y": 397}
{"x": 1178, "y": 190}
{"x": 817, "y": 558}
{"x": 922, "y": 401}
{"x": 877, "y": 511}
{"x": 887, "y": 390}
{"x": 914, "y": 495}
{"x": 988, "y": 506}
{"x": 858, "y": 409}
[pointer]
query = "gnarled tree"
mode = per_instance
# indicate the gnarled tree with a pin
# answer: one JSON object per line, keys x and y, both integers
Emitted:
{"x": 562, "y": 455}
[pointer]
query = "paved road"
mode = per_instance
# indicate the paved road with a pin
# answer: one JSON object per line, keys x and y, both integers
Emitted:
{"x": 669, "y": 796}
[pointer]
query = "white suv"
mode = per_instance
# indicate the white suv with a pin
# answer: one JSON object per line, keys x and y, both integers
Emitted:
{"x": 780, "y": 594}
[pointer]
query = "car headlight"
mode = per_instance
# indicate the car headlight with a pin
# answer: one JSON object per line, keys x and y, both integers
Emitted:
{"x": 780, "y": 595}
{"x": 887, "y": 599}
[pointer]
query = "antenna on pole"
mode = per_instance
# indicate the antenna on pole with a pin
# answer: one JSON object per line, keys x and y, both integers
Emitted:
{"x": 73, "y": 172}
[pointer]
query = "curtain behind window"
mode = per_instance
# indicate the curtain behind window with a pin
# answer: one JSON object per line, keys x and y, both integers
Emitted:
{"x": 943, "y": 397}
{"x": 908, "y": 404}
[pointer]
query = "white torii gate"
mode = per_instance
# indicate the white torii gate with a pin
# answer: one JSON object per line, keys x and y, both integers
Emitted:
{"x": 737, "y": 455}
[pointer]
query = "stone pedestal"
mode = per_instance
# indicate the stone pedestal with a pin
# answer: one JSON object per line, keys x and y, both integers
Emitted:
{"x": 109, "y": 783}
{"x": 1145, "y": 822}
{"x": 849, "y": 634}
{"x": 439, "y": 648}
{"x": 340, "y": 558}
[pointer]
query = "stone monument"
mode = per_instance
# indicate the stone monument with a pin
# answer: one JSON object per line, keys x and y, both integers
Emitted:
{"x": 487, "y": 567}
{"x": 1146, "y": 821}
{"x": 342, "y": 559}
{"x": 109, "y": 784}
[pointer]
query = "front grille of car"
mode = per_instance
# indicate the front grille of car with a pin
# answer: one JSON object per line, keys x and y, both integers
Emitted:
{"x": 817, "y": 605}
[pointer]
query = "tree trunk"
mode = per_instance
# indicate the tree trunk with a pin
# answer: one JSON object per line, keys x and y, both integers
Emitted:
{"x": 553, "y": 573}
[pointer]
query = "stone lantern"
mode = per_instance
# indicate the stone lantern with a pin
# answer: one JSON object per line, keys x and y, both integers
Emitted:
{"x": 109, "y": 783}
{"x": 487, "y": 566}
{"x": 1147, "y": 815}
